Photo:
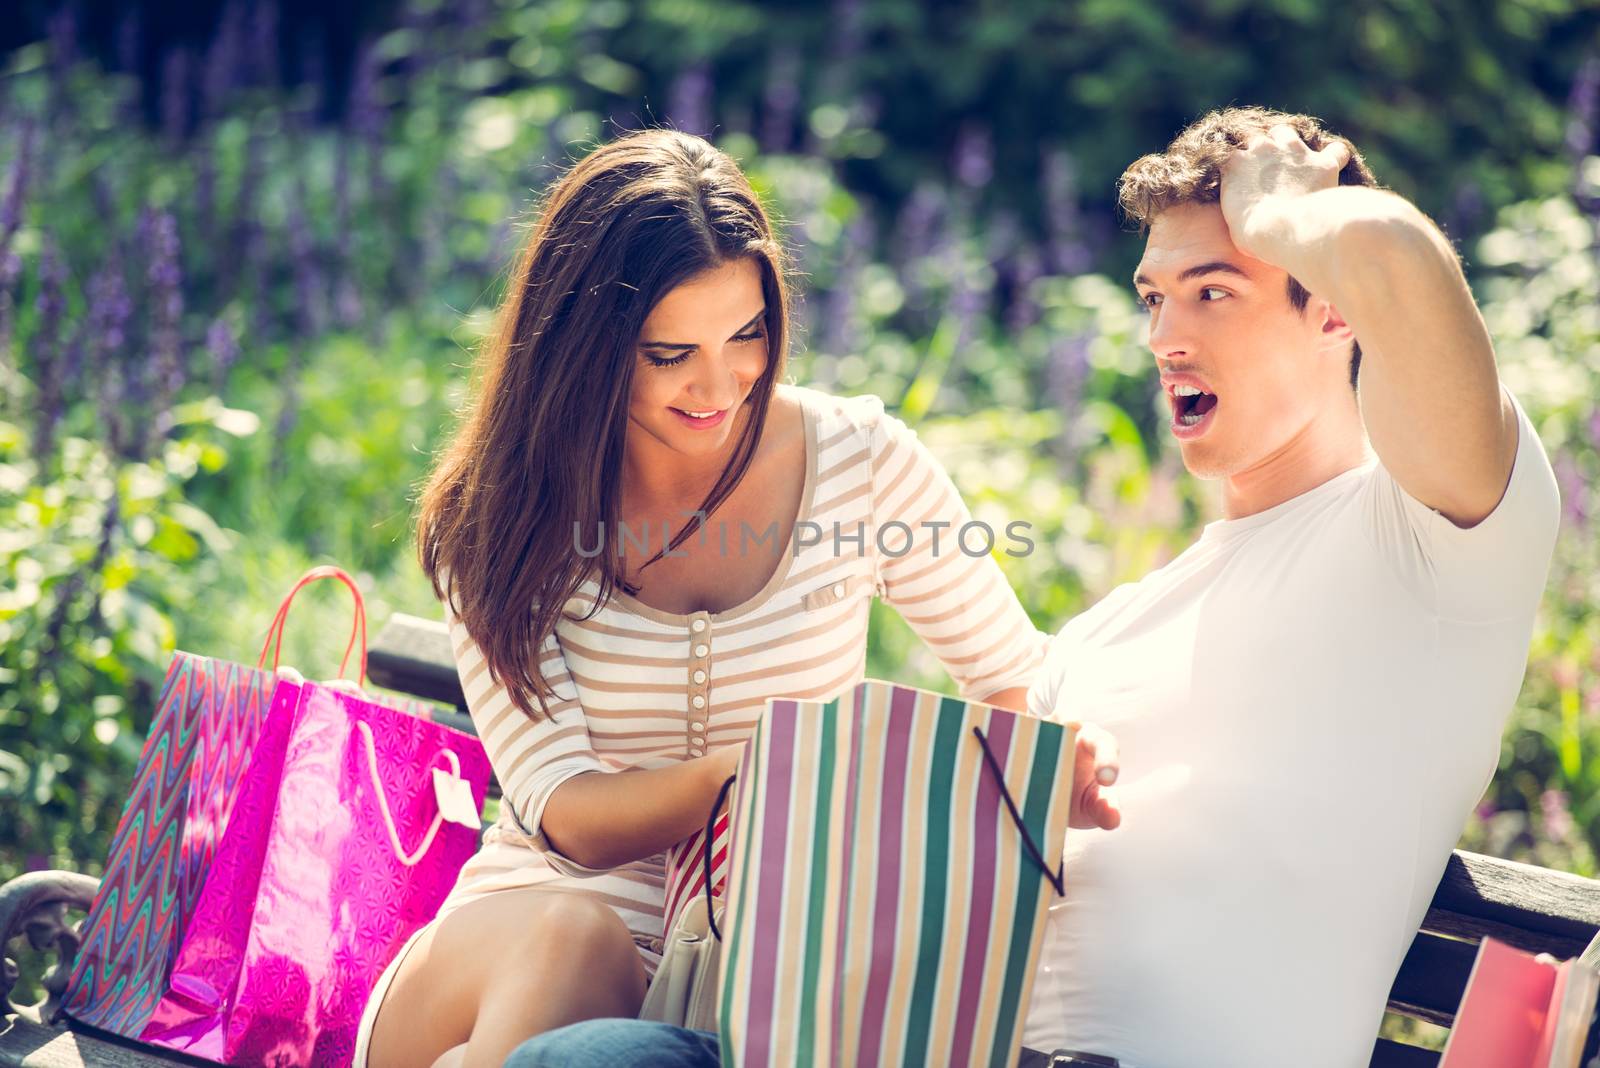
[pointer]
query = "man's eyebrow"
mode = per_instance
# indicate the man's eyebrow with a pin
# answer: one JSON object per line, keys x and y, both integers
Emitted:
{"x": 675, "y": 347}
{"x": 1213, "y": 267}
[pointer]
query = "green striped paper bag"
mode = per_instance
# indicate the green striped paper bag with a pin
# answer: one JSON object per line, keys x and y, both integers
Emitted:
{"x": 884, "y": 905}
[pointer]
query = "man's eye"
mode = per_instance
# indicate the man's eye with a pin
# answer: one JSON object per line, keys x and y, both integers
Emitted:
{"x": 1213, "y": 289}
{"x": 1150, "y": 300}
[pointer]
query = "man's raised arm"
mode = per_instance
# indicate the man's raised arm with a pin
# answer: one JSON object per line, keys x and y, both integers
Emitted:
{"x": 1430, "y": 395}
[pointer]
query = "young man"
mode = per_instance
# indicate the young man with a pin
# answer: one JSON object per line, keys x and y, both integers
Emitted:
{"x": 1308, "y": 700}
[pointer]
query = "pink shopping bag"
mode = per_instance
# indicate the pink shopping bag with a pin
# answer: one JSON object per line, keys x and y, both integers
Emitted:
{"x": 207, "y": 723}
{"x": 352, "y": 825}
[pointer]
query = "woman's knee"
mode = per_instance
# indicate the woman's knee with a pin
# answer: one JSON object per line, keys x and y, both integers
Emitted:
{"x": 573, "y": 955}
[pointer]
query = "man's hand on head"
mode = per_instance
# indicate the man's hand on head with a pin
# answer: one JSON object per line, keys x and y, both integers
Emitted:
{"x": 1276, "y": 165}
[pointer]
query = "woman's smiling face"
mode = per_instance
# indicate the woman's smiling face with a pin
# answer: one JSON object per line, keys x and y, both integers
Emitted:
{"x": 701, "y": 352}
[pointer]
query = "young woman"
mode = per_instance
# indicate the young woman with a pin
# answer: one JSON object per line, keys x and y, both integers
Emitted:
{"x": 614, "y": 650}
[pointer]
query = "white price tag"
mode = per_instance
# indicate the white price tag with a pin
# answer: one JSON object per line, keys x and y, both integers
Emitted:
{"x": 455, "y": 799}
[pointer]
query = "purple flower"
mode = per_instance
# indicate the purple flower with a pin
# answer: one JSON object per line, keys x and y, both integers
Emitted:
{"x": 223, "y": 348}
{"x": 10, "y": 269}
{"x": 974, "y": 156}
{"x": 222, "y": 61}
{"x": 690, "y": 103}
{"x": 917, "y": 229}
{"x": 307, "y": 271}
{"x": 205, "y": 191}
{"x": 1065, "y": 370}
{"x": 1069, "y": 253}
{"x": 165, "y": 279}
{"x": 49, "y": 306}
{"x": 17, "y": 186}
{"x": 62, "y": 30}
{"x": 849, "y": 31}
{"x": 1583, "y": 108}
{"x": 1024, "y": 268}
{"x": 246, "y": 232}
{"x": 264, "y": 44}
{"x": 969, "y": 303}
{"x": 109, "y": 311}
{"x": 779, "y": 101}
{"x": 175, "y": 95}
{"x": 842, "y": 333}
{"x": 128, "y": 41}
{"x": 1466, "y": 208}
{"x": 367, "y": 118}
{"x": 1574, "y": 490}
{"x": 347, "y": 300}
{"x": 1557, "y": 815}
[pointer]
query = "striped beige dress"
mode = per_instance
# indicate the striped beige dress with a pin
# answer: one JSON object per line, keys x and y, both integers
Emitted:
{"x": 643, "y": 688}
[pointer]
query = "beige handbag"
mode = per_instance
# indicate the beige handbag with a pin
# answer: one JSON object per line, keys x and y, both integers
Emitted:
{"x": 684, "y": 990}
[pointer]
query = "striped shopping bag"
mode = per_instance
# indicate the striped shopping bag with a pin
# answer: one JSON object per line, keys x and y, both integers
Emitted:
{"x": 687, "y": 867}
{"x": 888, "y": 880}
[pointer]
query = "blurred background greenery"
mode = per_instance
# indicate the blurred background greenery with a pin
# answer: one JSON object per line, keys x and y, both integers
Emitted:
{"x": 246, "y": 253}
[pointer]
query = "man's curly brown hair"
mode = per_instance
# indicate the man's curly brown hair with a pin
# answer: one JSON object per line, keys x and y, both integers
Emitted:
{"x": 1189, "y": 171}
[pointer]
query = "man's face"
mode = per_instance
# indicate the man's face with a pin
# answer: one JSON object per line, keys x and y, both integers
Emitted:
{"x": 1221, "y": 322}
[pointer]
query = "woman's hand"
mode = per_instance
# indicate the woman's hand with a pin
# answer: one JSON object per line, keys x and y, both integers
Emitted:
{"x": 1094, "y": 770}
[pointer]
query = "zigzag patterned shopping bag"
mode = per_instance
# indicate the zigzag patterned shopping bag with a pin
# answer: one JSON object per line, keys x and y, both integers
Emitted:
{"x": 208, "y": 718}
{"x": 887, "y": 880}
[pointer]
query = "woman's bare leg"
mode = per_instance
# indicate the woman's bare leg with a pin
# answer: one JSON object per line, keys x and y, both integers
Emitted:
{"x": 501, "y": 969}
{"x": 452, "y": 1057}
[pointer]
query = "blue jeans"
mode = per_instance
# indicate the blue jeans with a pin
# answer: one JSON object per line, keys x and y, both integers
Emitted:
{"x": 602, "y": 1043}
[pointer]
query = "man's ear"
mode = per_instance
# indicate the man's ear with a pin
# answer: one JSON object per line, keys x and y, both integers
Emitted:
{"x": 1336, "y": 333}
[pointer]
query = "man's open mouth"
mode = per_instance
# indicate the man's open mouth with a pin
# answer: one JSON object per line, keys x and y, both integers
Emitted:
{"x": 1190, "y": 405}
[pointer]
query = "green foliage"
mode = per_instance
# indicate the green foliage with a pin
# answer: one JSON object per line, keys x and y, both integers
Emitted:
{"x": 97, "y": 561}
{"x": 1543, "y": 271}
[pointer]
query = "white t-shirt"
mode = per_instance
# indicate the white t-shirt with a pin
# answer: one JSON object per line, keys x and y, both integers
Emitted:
{"x": 1308, "y": 702}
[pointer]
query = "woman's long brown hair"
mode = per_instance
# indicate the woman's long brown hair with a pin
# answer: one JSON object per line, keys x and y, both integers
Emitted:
{"x": 540, "y": 445}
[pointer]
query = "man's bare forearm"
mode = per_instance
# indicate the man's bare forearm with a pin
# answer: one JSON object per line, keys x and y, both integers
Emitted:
{"x": 1361, "y": 249}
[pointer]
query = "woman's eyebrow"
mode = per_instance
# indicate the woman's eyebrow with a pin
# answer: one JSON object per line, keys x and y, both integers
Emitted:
{"x": 676, "y": 347}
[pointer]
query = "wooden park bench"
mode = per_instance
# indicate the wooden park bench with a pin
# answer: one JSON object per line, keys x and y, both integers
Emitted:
{"x": 1532, "y": 908}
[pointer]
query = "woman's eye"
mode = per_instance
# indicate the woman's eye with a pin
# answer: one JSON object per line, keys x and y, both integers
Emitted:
{"x": 1213, "y": 289}
{"x": 753, "y": 336}
{"x": 656, "y": 361}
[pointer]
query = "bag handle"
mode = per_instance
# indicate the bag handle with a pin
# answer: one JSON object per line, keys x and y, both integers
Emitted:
{"x": 408, "y": 859}
{"x": 359, "y": 627}
{"x": 711, "y": 827}
{"x": 1058, "y": 877}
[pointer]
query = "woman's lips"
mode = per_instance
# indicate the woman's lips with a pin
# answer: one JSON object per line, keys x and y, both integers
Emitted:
{"x": 700, "y": 424}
